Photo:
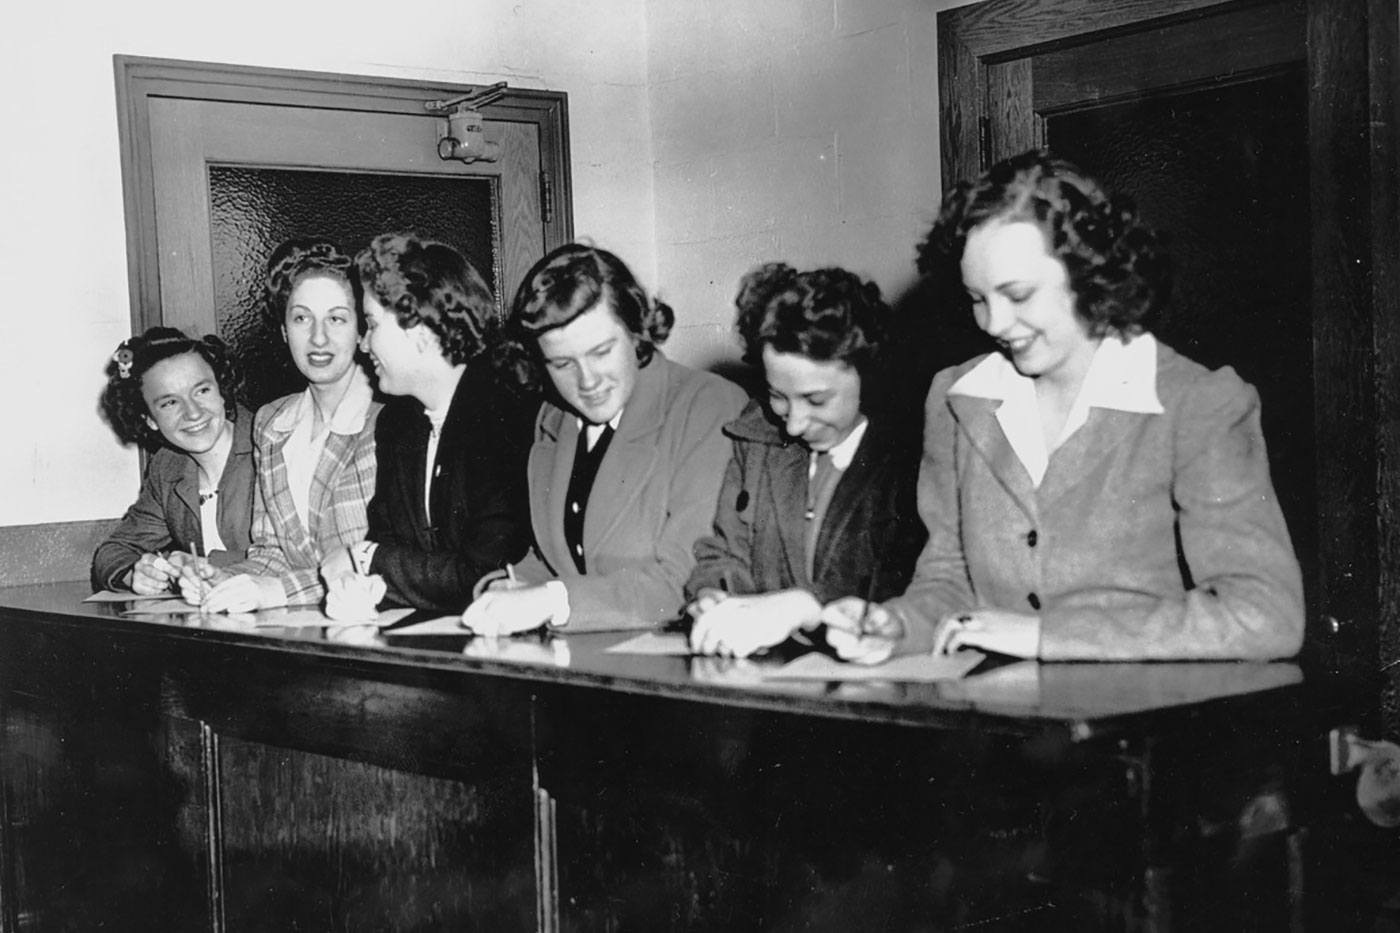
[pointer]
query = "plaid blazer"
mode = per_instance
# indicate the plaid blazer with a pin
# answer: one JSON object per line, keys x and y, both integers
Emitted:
{"x": 341, "y": 487}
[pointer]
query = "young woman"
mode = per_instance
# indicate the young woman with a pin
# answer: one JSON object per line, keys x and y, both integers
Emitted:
{"x": 818, "y": 499}
{"x": 1089, "y": 493}
{"x": 449, "y": 502}
{"x": 627, "y": 455}
{"x": 315, "y": 448}
{"x": 174, "y": 395}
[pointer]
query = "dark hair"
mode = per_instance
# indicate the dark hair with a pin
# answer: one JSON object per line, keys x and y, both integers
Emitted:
{"x": 303, "y": 258}
{"x": 1116, "y": 265}
{"x": 570, "y": 280}
{"x": 824, "y": 314}
{"x": 430, "y": 283}
{"x": 122, "y": 400}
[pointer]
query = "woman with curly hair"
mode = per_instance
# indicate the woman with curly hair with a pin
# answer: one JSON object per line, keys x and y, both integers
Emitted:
{"x": 1089, "y": 493}
{"x": 315, "y": 448}
{"x": 174, "y": 396}
{"x": 627, "y": 455}
{"x": 818, "y": 498}
{"x": 449, "y": 500}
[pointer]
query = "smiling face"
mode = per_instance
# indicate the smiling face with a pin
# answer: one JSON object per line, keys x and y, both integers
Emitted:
{"x": 817, "y": 400}
{"x": 319, "y": 327}
{"x": 1021, "y": 297}
{"x": 184, "y": 403}
{"x": 592, "y": 361}
{"x": 395, "y": 351}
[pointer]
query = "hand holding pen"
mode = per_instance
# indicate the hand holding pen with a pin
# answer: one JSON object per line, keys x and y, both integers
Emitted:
{"x": 861, "y": 630}
{"x": 153, "y": 574}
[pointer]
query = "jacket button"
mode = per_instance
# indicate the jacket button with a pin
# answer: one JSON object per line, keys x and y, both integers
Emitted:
{"x": 1034, "y": 600}
{"x": 1031, "y": 538}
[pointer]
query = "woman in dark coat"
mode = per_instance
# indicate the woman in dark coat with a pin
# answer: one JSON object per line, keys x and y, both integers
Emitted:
{"x": 818, "y": 500}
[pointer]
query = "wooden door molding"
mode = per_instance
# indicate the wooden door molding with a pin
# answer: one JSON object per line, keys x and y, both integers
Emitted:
{"x": 140, "y": 80}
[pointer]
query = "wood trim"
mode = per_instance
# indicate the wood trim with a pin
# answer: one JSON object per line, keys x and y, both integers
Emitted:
{"x": 140, "y": 79}
{"x": 991, "y": 29}
{"x": 50, "y": 553}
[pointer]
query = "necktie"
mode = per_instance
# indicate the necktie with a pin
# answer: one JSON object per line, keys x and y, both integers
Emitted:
{"x": 819, "y": 489}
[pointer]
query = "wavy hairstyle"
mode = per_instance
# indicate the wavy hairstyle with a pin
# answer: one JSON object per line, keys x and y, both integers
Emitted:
{"x": 1117, "y": 267}
{"x": 122, "y": 400}
{"x": 430, "y": 283}
{"x": 824, "y": 314}
{"x": 303, "y": 258}
{"x": 568, "y": 281}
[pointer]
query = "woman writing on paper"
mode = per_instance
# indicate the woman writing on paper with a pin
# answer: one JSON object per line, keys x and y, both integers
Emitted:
{"x": 1089, "y": 493}
{"x": 174, "y": 395}
{"x": 627, "y": 455}
{"x": 818, "y": 498}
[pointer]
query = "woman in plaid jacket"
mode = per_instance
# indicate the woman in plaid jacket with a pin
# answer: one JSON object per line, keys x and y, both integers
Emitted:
{"x": 314, "y": 449}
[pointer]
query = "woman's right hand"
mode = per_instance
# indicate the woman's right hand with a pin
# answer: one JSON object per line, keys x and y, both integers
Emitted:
{"x": 152, "y": 575}
{"x": 865, "y": 633}
{"x": 197, "y": 577}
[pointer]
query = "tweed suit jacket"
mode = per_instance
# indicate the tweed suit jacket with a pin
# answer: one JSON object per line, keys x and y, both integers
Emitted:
{"x": 869, "y": 538}
{"x": 654, "y": 495}
{"x": 1151, "y": 536}
{"x": 165, "y": 515}
{"x": 341, "y": 486}
{"x": 480, "y": 517}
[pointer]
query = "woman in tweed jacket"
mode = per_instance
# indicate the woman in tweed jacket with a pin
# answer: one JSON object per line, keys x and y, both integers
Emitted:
{"x": 1089, "y": 493}
{"x": 314, "y": 449}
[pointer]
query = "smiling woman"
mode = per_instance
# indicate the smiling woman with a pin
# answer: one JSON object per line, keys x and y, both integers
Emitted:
{"x": 627, "y": 454}
{"x": 174, "y": 396}
{"x": 316, "y": 452}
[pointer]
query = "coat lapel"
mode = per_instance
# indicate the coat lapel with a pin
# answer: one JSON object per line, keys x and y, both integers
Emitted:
{"x": 551, "y": 459}
{"x": 186, "y": 490}
{"x": 787, "y": 491}
{"x": 1075, "y": 460}
{"x": 976, "y": 418}
{"x": 631, "y": 457}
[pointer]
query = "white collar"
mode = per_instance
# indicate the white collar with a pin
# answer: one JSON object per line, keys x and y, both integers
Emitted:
{"x": 843, "y": 453}
{"x": 591, "y": 432}
{"x": 348, "y": 417}
{"x": 1122, "y": 376}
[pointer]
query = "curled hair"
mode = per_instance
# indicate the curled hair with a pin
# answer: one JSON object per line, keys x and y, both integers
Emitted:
{"x": 298, "y": 259}
{"x": 123, "y": 402}
{"x": 1117, "y": 267}
{"x": 569, "y": 281}
{"x": 430, "y": 283}
{"x": 824, "y": 314}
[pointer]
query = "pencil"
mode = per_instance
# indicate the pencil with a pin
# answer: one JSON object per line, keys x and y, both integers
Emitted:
{"x": 863, "y": 628}
{"x": 510, "y": 572}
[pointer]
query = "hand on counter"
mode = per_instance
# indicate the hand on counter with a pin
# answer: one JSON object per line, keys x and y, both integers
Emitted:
{"x": 352, "y": 597}
{"x": 1013, "y": 633}
{"x": 153, "y": 574}
{"x": 860, "y": 631}
{"x": 509, "y": 608}
{"x": 738, "y": 626}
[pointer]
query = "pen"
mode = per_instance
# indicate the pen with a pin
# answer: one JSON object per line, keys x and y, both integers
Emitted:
{"x": 198, "y": 571}
{"x": 510, "y": 573}
{"x": 863, "y": 628}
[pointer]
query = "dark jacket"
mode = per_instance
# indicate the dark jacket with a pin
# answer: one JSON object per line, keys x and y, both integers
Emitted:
{"x": 165, "y": 516}
{"x": 869, "y": 540}
{"x": 481, "y": 516}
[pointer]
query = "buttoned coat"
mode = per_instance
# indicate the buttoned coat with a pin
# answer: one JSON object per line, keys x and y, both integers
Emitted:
{"x": 1151, "y": 536}
{"x": 165, "y": 515}
{"x": 480, "y": 517}
{"x": 654, "y": 495}
{"x": 869, "y": 538}
{"x": 342, "y": 485}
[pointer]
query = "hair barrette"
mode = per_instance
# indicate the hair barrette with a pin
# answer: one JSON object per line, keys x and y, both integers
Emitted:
{"x": 123, "y": 358}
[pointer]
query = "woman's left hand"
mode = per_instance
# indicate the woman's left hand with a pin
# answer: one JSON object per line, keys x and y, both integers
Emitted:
{"x": 1013, "y": 633}
{"x": 499, "y": 612}
{"x": 742, "y": 625}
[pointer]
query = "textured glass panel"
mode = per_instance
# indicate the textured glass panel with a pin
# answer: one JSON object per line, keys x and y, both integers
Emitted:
{"x": 1224, "y": 171}
{"x": 252, "y": 210}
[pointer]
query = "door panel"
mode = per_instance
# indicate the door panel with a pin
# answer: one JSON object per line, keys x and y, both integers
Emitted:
{"x": 499, "y": 204}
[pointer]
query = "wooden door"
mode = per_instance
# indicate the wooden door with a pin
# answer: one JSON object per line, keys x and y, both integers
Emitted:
{"x": 226, "y": 163}
{"x": 1240, "y": 126}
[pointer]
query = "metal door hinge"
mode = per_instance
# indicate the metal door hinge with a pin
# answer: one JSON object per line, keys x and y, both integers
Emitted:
{"x": 546, "y": 197}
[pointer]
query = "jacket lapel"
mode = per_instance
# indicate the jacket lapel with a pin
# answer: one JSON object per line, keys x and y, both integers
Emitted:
{"x": 976, "y": 419}
{"x": 788, "y": 494}
{"x": 551, "y": 459}
{"x": 187, "y": 521}
{"x": 1087, "y": 449}
{"x": 631, "y": 457}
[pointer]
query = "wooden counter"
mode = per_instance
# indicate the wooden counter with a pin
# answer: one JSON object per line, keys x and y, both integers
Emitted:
{"x": 179, "y": 773}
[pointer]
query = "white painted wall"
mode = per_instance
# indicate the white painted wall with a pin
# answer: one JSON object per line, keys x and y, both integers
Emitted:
{"x": 63, "y": 236}
{"x": 707, "y": 136}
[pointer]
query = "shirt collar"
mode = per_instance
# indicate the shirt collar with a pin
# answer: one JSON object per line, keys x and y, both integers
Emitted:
{"x": 843, "y": 453}
{"x": 349, "y": 416}
{"x": 591, "y": 432}
{"x": 1122, "y": 376}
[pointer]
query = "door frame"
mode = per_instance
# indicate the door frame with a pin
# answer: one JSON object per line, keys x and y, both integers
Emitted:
{"x": 140, "y": 79}
{"x": 1355, "y": 211}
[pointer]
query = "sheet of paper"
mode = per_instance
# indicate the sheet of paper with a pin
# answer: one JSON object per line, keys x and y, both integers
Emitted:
{"x": 671, "y": 644}
{"x": 112, "y": 596}
{"x": 921, "y": 668}
{"x": 291, "y": 617}
{"x": 443, "y": 625}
